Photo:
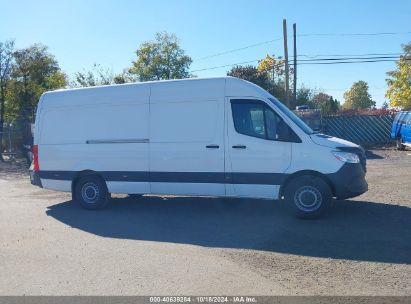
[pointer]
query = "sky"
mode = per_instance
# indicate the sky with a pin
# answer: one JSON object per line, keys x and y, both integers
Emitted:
{"x": 80, "y": 33}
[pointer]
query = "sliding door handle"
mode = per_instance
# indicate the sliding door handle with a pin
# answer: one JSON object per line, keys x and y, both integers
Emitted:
{"x": 212, "y": 146}
{"x": 239, "y": 147}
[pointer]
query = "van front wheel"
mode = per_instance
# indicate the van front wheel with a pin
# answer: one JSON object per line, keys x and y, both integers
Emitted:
{"x": 308, "y": 196}
{"x": 91, "y": 192}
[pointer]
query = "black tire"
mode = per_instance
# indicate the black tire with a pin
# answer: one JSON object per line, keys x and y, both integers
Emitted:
{"x": 91, "y": 192}
{"x": 399, "y": 145}
{"x": 308, "y": 196}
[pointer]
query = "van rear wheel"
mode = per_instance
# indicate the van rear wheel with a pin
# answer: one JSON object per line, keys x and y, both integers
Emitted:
{"x": 91, "y": 192}
{"x": 308, "y": 196}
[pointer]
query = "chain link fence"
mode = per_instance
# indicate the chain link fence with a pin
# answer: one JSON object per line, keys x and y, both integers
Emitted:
{"x": 16, "y": 138}
{"x": 364, "y": 130}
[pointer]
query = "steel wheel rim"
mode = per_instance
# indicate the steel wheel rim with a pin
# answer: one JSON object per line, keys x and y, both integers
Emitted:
{"x": 308, "y": 198}
{"x": 90, "y": 193}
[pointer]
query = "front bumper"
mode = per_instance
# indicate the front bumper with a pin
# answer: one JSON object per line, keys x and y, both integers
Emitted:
{"x": 35, "y": 179}
{"x": 349, "y": 181}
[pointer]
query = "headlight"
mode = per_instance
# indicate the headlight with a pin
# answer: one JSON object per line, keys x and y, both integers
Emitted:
{"x": 346, "y": 157}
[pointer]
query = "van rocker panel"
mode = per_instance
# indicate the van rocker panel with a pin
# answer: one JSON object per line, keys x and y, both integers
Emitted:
{"x": 349, "y": 181}
{"x": 176, "y": 177}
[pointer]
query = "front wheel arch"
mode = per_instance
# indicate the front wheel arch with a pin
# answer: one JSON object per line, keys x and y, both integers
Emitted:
{"x": 305, "y": 173}
{"x": 309, "y": 197}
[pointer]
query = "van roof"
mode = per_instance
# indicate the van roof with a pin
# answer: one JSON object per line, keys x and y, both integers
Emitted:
{"x": 402, "y": 113}
{"x": 144, "y": 83}
{"x": 211, "y": 88}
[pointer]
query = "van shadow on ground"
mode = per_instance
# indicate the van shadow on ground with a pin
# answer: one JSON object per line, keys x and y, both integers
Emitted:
{"x": 371, "y": 155}
{"x": 354, "y": 230}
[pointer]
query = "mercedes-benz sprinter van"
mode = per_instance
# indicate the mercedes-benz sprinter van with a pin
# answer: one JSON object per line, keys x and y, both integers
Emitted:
{"x": 221, "y": 137}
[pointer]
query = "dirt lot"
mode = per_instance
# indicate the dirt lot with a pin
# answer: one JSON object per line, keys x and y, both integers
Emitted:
{"x": 198, "y": 246}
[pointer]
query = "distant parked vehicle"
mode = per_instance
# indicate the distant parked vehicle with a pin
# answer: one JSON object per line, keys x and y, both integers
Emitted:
{"x": 401, "y": 129}
{"x": 302, "y": 107}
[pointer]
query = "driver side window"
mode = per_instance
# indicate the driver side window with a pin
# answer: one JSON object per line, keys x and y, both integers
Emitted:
{"x": 256, "y": 119}
{"x": 273, "y": 122}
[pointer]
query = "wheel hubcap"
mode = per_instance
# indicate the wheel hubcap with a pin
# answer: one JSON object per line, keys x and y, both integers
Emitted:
{"x": 90, "y": 193}
{"x": 308, "y": 198}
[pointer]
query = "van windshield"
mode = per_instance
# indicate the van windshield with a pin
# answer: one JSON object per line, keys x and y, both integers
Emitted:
{"x": 290, "y": 114}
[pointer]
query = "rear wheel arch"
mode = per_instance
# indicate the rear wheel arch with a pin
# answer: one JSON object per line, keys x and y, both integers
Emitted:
{"x": 305, "y": 173}
{"x": 89, "y": 189}
{"x": 82, "y": 173}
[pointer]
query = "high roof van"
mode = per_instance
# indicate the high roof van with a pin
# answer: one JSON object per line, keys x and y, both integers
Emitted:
{"x": 401, "y": 129}
{"x": 222, "y": 137}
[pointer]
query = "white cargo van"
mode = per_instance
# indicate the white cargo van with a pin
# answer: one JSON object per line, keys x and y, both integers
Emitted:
{"x": 211, "y": 137}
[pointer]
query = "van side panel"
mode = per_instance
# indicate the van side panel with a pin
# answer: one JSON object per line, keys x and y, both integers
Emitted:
{"x": 186, "y": 117}
{"x": 100, "y": 129}
{"x": 88, "y": 123}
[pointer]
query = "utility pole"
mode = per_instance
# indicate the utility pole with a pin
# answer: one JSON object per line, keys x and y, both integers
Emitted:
{"x": 287, "y": 98}
{"x": 295, "y": 63}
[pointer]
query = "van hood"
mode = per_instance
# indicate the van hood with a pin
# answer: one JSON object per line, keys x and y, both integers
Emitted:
{"x": 331, "y": 142}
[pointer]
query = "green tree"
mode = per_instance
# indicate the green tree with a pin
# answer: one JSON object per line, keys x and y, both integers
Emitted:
{"x": 273, "y": 66}
{"x": 385, "y": 105}
{"x": 251, "y": 74}
{"x": 304, "y": 97}
{"x": 35, "y": 71}
{"x": 160, "y": 59}
{"x": 123, "y": 78}
{"x": 332, "y": 106}
{"x": 98, "y": 76}
{"x": 358, "y": 97}
{"x": 326, "y": 103}
{"x": 6, "y": 64}
{"x": 399, "y": 83}
{"x": 260, "y": 78}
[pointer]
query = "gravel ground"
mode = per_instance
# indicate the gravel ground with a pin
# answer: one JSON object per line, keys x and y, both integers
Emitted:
{"x": 198, "y": 246}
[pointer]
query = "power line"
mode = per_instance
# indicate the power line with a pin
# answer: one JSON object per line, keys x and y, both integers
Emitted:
{"x": 355, "y": 34}
{"x": 347, "y": 58}
{"x": 300, "y": 35}
{"x": 358, "y": 61}
{"x": 226, "y": 65}
{"x": 342, "y": 55}
{"x": 238, "y": 49}
{"x": 370, "y": 87}
{"x": 315, "y": 61}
